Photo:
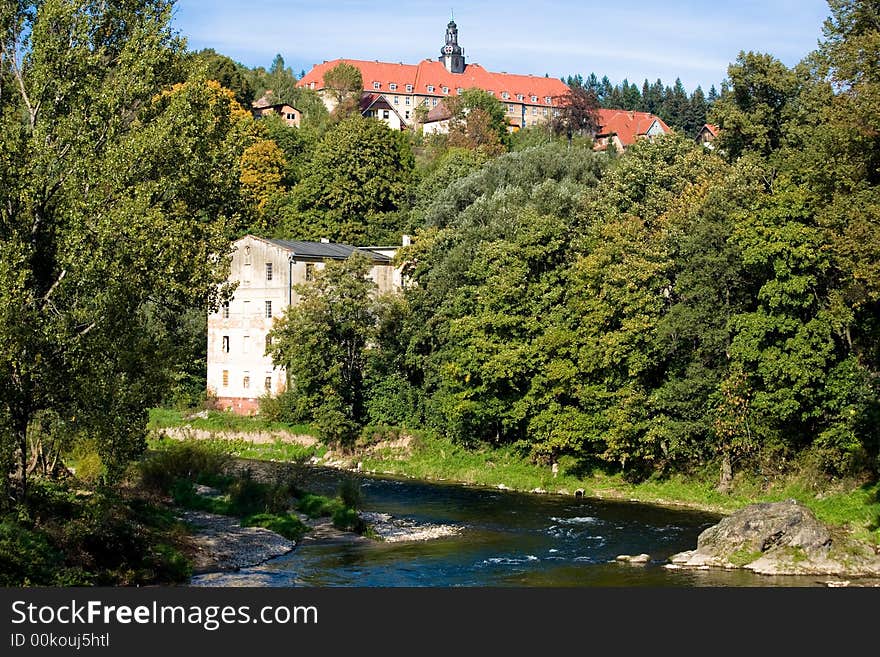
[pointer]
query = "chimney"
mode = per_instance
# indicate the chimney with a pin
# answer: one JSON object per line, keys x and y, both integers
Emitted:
{"x": 407, "y": 240}
{"x": 325, "y": 240}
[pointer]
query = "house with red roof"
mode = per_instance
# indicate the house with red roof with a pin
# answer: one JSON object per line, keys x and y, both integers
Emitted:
{"x": 528, "y": 99}
{"x": 624, "y": 127}
{"x": 265, "y": 106}
{"x": 707, "y": 135}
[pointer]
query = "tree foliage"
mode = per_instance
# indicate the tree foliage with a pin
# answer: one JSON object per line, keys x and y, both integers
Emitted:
{"x": 355, "y": 182}
{"x": 322, "y": 342}
{"x": 117, "y": 193}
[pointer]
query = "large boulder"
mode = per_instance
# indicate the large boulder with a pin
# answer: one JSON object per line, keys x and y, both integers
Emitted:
{"x": 778, "y": 538}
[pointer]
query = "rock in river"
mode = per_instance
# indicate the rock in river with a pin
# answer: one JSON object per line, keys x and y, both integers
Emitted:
{"x": 779, "y": 538}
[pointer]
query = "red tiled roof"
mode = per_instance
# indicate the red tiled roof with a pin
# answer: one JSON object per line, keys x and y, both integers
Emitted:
{"x": 627, "y": 125}
{"x": 431, "y": 73}
{"x": 712, "y": 128}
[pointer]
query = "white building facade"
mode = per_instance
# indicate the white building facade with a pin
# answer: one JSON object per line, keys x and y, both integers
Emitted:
{"x": 265, "y": 270}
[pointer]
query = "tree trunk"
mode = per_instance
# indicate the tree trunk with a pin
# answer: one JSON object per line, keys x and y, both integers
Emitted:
{"x": 19, "y": 432}
{"x": 724, "y": 484}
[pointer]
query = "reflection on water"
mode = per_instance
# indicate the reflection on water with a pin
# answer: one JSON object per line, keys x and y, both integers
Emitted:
{"x": 506, "y": 539}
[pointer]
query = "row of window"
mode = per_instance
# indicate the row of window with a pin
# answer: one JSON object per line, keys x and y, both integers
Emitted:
{"x": 246, "y": 381}
{"x": 505, "y": 95}
{"x": 267, "y": 309}
{"x": 245, "y": 345}
{"x": 310, "y": 267}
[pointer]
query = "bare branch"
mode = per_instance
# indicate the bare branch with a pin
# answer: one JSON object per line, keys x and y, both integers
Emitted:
{"x": 54, "y": 285}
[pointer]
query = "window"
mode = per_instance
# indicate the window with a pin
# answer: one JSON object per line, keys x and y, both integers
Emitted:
{"x": 534, "y": 111}
{"x": 385, "y": 114}
{"x": 546, "y": 111}
{"x": 290, "y": 116}
{"x": 247, "y": 255}
{"x": 534, "y": 99}
{"x": 427, "y": 102}
{"x": 510, "y": 109}
{"x": 377, "y": 85}
{"x": 246, "y": 380}
{"x": 519, "y": 97}
{"x": 409, "y": 88}
{"x": 268, "y": 310}
{"x": 446, "y": 90}
{"x": 393, "y": 87}
{"x": 310, "y": 271}
{"x": 311, "y": 85}
{"x": 268, "y": 271}
{"x": 430, "y": 88}
{"x": 268, "y": 384}
{"x": 406, "y": 113}
{"x": 268, "y": 342}
{"x": 225, "y": 378}
{"x": 246, "y": 309}
{"x": 434, "y": 101}
{"x": 246, "y": 345}
{"x": 459, "y": 91}
{"x": 548, "y": 99}
{"x": 397, "y": 100}
{"x": 225, "y": 345}
{"x": 505, "y": 95}
{"x": 406, "y": 100}
{"x": 225, "y": 310}
{"x": 490, "y": 92}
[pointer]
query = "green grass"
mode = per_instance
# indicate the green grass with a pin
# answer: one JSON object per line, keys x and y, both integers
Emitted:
{"x": 221, "y": 421}
{"x": 287, "y": 525}
{"x": 743, "y": 556}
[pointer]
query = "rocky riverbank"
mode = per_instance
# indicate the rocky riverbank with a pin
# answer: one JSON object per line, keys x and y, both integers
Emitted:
{"x": 780, "y": 538}
{"x": 220, "y": 543}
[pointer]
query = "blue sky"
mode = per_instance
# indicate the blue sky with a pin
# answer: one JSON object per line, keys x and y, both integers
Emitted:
{"x": 636, "y": 40}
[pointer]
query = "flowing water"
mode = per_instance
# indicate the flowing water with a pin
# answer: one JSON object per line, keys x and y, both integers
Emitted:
{"x": 504, "y": 539}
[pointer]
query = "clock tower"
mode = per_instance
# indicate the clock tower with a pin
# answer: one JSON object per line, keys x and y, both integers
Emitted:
{"x": 452, "y": 54}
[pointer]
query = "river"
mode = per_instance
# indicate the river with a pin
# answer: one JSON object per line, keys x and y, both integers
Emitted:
{"x": 504, "y": 539}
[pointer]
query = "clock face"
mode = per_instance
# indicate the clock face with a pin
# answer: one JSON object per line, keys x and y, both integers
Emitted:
{"x": 447, "y": 50}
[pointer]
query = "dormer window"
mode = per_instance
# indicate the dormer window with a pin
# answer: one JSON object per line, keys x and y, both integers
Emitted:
{"x": 377, "y": 85}
{"x": 520, "y": 97}
{"x": 430, "y": 88}
{"x": 505, "y": 95}
{"x": 548, "y": 99}
{"x": 490, "y": 92}
{"x": 446, "y": 90}
{"x": 459, "y": 91}
{"x": 393, "y": 86}
{"x": 409, "y": 88}
{"x": 534, "y": 99}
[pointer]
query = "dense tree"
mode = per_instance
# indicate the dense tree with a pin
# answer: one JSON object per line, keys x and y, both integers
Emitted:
{"x": 577, "y": 114}
{"x": 477, "y": 121}
{"x": 345, "y": 84}
{"x": 228, "y": 73}
{"x": 116, "y": 193}
{"x": 356, "y": 182}
{"x": 322, "y": 343}
{"x": 753, "y": 110}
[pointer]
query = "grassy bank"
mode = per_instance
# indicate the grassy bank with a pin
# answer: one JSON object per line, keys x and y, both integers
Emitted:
{"x": 73, "y": 536}
{"x": 221, "y": 421}
{"x": 852, "y": 504}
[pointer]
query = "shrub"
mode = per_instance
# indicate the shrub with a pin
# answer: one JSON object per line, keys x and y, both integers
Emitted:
{"x": 186, "y": 460}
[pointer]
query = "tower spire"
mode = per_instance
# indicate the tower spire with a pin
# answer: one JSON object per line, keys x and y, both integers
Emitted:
{"x": 452, "y": 54}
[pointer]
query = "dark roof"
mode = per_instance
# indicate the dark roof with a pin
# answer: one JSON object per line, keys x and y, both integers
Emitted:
{"x": 325, "y": 250}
